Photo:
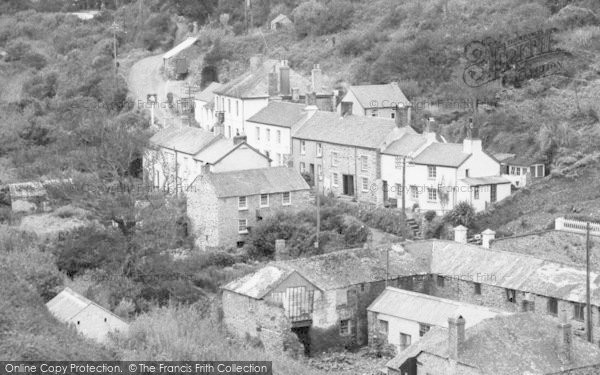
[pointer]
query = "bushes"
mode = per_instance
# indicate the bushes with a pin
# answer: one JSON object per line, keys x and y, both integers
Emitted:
{"x": 315, "y": 18}
{"x": 462, "y": 214}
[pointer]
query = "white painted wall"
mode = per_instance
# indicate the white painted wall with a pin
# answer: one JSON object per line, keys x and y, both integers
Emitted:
{"x": 241, "y": 159}
{"x": 203, "y": 114}
{"x": 237, "y": 111}
{"x": 278, "y": 151}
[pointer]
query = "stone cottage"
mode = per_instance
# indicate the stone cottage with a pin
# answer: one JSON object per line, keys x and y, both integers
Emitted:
{"x": 223, "y": 207}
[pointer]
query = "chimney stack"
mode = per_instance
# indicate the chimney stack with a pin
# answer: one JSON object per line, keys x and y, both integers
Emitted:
{"x": 317, "y": 78}
{"x": 272, "y": 83}
{"x": 564, "y": 340}
{"x": 487, "y": 236}
{"x": 295, "y": 94}
{"x": 239, "y": 139}
{"x": 399, "y": 116}
{"x": 284, "y": 78}
{"x": 346, "y": 109}
{"x": 472, "y": 143}
{"x": 460, "y": 234}
{"x": 456, "y": 337}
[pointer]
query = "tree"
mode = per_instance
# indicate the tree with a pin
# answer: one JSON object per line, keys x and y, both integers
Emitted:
{"x": 196, "y": 10}
{"x": 462, "y": 214}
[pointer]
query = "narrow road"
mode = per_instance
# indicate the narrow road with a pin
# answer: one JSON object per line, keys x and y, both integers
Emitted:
{"x": 145, "y": 78}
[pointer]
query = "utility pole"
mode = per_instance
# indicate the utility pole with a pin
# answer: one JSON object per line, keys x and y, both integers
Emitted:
{"x": 404, "y": 189}
{"x": 246, "y": 3}
{"x": 318, "y": 208}
{"x": 588, "y": 308}
{"x": 114, "y": 28}
{"x": 387, "y": 266}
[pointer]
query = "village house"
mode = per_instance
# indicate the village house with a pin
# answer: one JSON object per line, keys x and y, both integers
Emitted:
{"x": 223, "y": 207}
{"x": 509, "y": 345}
{"x": 88, "y": 318}
{"x": 178, "y": 155}
{"x": 345, "y": 152}
{"x": 401, "y": 317}
{"x": 280, "y": 22}
{"x": 246, "y": 95}
{"x": 441, "y": 175}
{"x": 520, "y": 170}
{"x": 375, "y": 101}
{"x": 271, "y": 129}
{"x": 324, "y": 296}
{"x": 204, "y": 106}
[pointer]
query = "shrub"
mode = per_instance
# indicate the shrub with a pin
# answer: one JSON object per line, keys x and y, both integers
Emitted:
{"x": 429, "y": 215}
{"x": 462, "y": 214}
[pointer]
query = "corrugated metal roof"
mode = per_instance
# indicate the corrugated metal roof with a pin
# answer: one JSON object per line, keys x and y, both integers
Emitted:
{"x": 475, "y": 181}
{"x": 379, "y": 96}
{"x": 180, "y": 47}
{"x": 442, "y": 154}
{"x": 282, "y": 114}
{"x": 256, "y": 181}
{"x": 358, "y": 131}
{"x": 187, "y": 139}
{"x": 428, "y": 309}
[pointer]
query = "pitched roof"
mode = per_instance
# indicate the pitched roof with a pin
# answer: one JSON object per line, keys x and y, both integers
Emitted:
{"x": 378, "y": 96}
{"x": 280, "y": 18}
{"x": 280, "y": 114}
{"x": 256, "y": 181}
{"x": 405, "y": 145}
{"x": 207, "y": 95}
{"x": 427, "y": 309}
{"x": 518, "y": 160}
{"x": 180, "y": 47}
{"x": 515, "y": 344}
{"x": 442, "y": 154}
{"x": 255, "y": 83}
{"x": 513, "y": 271}
{"x": 358, "y": 131}
{"x": 187, "y": 139}
{"x": 477, "y": 181}
{"x": 68, "y": 303}
{"x": 330, "y": 271}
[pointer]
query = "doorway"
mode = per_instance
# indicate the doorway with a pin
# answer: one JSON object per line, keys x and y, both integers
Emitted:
{"x": 303, "y": 333}
{"x": 348, "y": 184}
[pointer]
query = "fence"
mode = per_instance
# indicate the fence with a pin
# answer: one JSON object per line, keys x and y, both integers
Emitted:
{"x": 576, "y": 226}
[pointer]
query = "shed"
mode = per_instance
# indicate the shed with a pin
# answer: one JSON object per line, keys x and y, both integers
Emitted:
{"x": 280, "y": 22}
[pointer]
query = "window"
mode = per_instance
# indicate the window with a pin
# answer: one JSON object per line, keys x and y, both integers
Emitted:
{"x": 364, "y": 163}
{"x": 335, "y": 179}
{"x": 242, "y": 203}
{"x": 477, "y": 289}
{"x": 320, "y": 172}
{"x": 414, "y": 192}
{"x": 362, "y": 287}
{"x": 393, "y": 114}
{"x": 257, "y": 133}
{"x": 579, "y": 312}
{"x": 303, "y": 147}
{"x": 286, "y": 199}
{"x": 423, "y": 329}
{"x": 229, "y": 105}
{"x": 493, "y": 193}
{"x": 319, "y": 150}
{"x": 334, "y": 159}
{"x": 512, "y": 171}
{"x": 475, "y": 192}
{"x": 374, "y": 113}
{"x": 405, "y": 341}
{"x": 237, "y": 108}
{"x": 511, "y": 295}
{"x": 345, "y": 327}
{"x": 431, "y": 172}
{"x": 431, "y": 194}
{"x": 383, "y": 326}
{"x": 553, "y": 306}
{"x": 264, "y": 200}
{"x": 440, "y": 281}
{"x": 268, "y": 135}
{"x": 242, "y": 226}
{"x": 278, "y": 136}
{"x": 518, "y": 171}
{"x": 398, "y": 162}
{"x": 466, "y": 173}
{"x": 302, "y": 167}
{"x": 365, "y": 184}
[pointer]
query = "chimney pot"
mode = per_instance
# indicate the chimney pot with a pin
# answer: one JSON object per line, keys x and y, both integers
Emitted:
{"x": 317, "y": 78}
{"x": 564, "y": 338}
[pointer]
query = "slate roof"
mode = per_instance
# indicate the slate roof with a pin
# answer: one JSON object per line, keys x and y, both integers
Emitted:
{"x": 68, "y": 303}
{"x": 516, "y": 344}
{"x": 207, "y": 95}
{"x": 442, "y": 154}
{"x": 255, "y": 84}
{"x": 187, "y": 139}
{"x": 513, "y": 271}
{"x": 427, "y": 309}
{"x": 521, "y": 161}
{"x": 406, "y": 145}
{"x": 373, "y": 96}
{"x": 358, "y": 131}
{"x": 477, "y": 181}
{"x": 256, "y": 181}
{"x": 331, "y": 271}
{"x": 282, "y": 114}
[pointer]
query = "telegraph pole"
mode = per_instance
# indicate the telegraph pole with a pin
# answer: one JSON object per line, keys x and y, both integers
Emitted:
{"x": 588, "y": 309}
{"x": 318, "y": 208}
{"x": 404, "y": 189}
{"x": 114, "y": 28}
